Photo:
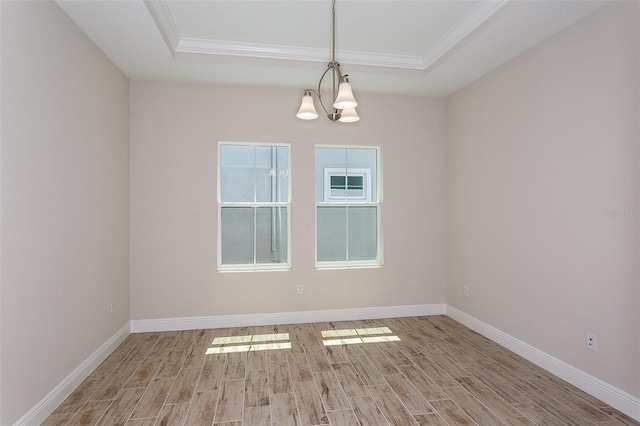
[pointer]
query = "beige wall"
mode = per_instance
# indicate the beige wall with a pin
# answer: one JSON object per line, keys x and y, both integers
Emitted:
{"x": 174, "y": 133}
{"x": 65, "y": 208}
{"x": 1, "y": 214}
{"x": 536, "y": 152}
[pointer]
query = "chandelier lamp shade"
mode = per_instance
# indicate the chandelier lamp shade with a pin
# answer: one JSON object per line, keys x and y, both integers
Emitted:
{"x": 344, "y": 105}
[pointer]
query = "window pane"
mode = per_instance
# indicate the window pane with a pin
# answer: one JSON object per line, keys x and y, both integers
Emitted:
{"x": 363, "y": 230}
{"x": 364, "y": 158}
{"x": 338, "y": 182}
{"x": 328, "y": 158}
{"x": 272, "y": 173}
{"x": 282, "y": 173}
{"x": 263, "y": 175}
{"x": 237, "y": 173}
{"x": 355, "y": 182}
{"x": 332, "y": 234}
{"x": 236, "y": 235}
{"x": 271, "y": 235}
{"x": 346, "y": 175}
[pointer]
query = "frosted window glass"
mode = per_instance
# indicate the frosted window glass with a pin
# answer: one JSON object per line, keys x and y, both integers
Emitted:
{"x": 271, "y": 234}
{"x": 363, "y": 229}
{"x": 236, "y": 235}
{"x": 332, "y": 234}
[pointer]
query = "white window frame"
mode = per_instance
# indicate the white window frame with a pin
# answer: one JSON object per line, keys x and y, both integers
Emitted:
{"x": 370, "y": 201}
{"x": 253, "y": 267}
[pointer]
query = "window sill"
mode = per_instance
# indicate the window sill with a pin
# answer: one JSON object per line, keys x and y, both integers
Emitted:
{"x": 348, "y": 265}
{"x": 254, "y": 268}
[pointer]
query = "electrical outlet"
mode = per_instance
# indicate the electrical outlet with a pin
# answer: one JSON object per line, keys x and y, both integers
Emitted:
{"x": 466, "y": 291}
{"x": 592, "y": 343}
{"x": 111, "y": 310}
{"x": 300, "y": 289}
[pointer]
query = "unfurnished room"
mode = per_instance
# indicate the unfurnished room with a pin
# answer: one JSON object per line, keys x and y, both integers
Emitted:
{"x": 319, "y": 212}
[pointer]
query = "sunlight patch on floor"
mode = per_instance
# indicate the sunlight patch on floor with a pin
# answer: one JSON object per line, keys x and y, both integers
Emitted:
{"x": 256, "y": 342}
{"x": 352, "y": 336}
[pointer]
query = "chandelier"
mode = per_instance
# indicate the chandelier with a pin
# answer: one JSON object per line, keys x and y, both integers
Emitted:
{"x": 344, "y": 104}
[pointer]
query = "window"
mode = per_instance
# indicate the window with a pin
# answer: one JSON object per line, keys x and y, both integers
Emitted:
{"x": 338, "y": 186}
{"x": 253, "y": 206}
{"x": 348, "y": 187}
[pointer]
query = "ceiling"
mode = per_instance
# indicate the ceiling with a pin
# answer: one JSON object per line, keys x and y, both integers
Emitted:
{"x": 418, "y": 47}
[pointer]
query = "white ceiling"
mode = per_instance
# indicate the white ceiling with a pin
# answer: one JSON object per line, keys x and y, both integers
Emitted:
{"x": 422, "y": 47}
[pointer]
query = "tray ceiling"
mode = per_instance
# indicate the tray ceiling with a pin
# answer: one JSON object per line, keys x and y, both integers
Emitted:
{"x": 387, "y": 46}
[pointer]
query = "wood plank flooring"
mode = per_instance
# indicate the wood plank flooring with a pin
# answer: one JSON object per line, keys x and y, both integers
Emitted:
{"x": 398, "y": 371}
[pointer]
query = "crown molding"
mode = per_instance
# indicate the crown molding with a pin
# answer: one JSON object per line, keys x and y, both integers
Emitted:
{"x": 184, "y": 47}
{"x": 161, "y": 14}
{"x": 461, "y": 31}
{"x": 294, "y": 53}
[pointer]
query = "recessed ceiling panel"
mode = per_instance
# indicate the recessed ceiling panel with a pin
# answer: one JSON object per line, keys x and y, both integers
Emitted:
{"x": 364, "y": 26}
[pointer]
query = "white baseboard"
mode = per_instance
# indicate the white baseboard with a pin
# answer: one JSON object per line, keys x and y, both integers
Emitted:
{"x": 223, "y": 321}
{"x": 45, "y": 407}
{"x": 618, "y": 399}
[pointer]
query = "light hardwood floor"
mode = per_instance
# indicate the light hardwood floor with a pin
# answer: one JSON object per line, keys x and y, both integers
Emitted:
{"x": 399, "y": 371}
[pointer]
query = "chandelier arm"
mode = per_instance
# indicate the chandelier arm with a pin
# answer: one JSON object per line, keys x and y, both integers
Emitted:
{"x": 319, "y": 96}
{"x": 335, "y": 67}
